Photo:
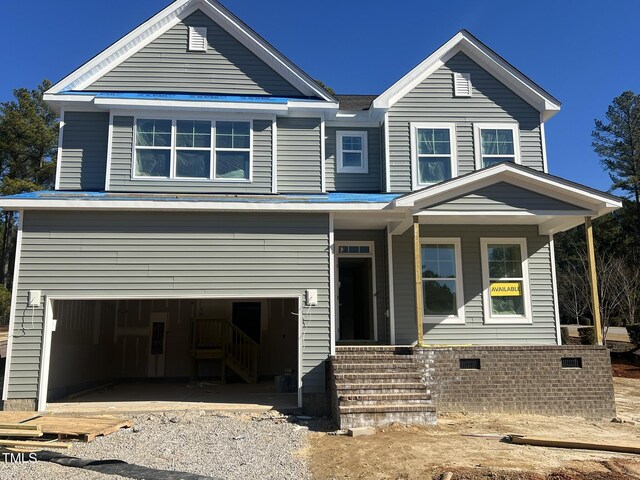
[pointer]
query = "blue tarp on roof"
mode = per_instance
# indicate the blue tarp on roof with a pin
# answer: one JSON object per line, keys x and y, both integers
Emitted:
{"x": 189, "y": 97}
{"x": 284, "y": 198}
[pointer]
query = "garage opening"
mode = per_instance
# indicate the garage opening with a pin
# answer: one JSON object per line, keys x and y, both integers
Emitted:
{"x": 173, "y": 354}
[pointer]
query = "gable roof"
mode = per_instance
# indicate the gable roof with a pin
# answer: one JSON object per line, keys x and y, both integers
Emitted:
{"x": 169, "y": 17}
{"x": 493, "y": 63}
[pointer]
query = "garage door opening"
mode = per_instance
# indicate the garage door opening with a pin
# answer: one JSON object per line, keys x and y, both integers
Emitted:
{"x": 141, "y": 354}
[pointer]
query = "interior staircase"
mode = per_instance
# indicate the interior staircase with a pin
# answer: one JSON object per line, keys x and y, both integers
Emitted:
{"x": 373, "y": 386}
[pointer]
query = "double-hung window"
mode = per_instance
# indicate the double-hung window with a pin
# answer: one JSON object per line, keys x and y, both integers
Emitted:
{"x": 433, "y": 153}
{"x": 443, "y": 298}
{"x": 352, "y": 152}
{"x": 192, "y": 149}
{"x": 506, "y": 280}
{"x": 496, "y": 143}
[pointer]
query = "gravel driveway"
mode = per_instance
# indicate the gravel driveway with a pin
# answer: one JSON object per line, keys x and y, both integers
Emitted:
{"x": 226, "y": 446}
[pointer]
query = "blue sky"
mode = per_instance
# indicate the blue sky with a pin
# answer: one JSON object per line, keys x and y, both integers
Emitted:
{"x": 583, "y": 52}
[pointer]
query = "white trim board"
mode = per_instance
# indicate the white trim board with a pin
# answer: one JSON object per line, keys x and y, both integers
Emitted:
{"x": 59, "y": 152}
{"x": 169, "y": 17}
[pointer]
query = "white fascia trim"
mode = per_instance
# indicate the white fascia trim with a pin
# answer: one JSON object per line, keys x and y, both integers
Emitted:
{"x": 123, "y": 48}
{"x": 45, "y": 355}
{"x": 554, "y": 279}
{"x": 323, "y": 160}
{"x": 137, "y": 205}
{"x": 387, "y": 153}
{"x": 543, "y": 141}
{"x": 477, "y": 140}
{"x": 14, "y": 301}
{"x": 107, "y": 175}
{"x": 169, "y": 17}
{"x": 513, "y": 79}
{"x": 59, "y": 153}
{"x": 274, "y": 155}
{"x": 527, "y": 318}
{"x": 188, "y": 105}
{"x": 503, "y": 172}
{"x": 392, "y": 317}
{"x": 458, "y": 319}
{"x": 332, "y": 287}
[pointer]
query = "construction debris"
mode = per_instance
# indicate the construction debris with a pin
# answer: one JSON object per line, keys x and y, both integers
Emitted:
{"x": 551, "y": 442}
{"x": 361, "y": 431}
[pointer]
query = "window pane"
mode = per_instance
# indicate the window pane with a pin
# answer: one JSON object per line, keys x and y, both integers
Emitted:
{"x": 192, "y": 134}
{"x": 352, "y": 143}
{"x": 232, "y": 165}
{"x": 508, "y": 304}
{"x": 351, "y": 159}
{"x": 153, "y": 133}
{"x": 434, "y": 169}
{"x": 439, "y": 297}
{"x": 233, "y": 135}
{"x": 193, "y": 163}
{"x": 438, "y": 261}
{"x": 152, "y": 163}
{"x": 497, "y": 141}
{"x": 434, "y": 141}
{"x": 505, "y": 261}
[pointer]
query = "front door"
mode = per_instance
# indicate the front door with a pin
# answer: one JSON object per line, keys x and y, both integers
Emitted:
{"x": 355, "y": 298}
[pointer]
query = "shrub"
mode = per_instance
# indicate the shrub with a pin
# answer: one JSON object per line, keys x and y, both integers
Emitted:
{"x": 564, "y": 335}
{"x": 587, "y": 335}
{"x": 634, "y": 333}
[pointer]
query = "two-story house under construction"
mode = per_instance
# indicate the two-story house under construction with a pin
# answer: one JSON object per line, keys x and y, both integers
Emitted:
{"x": 217, "y": 210}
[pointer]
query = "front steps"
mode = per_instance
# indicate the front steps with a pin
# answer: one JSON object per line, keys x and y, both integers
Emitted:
{"x": 374, "y": 386}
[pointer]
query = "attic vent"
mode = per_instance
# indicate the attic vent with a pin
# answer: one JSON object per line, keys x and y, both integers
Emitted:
{"x": 198, "y": 39}
{"x": 462, "y": 84}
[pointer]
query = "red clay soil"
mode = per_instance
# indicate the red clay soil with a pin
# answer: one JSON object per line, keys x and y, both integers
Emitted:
{"x": 624, "y": 369}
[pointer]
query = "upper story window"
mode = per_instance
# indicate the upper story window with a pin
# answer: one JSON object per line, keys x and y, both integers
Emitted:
{"x": 496, "y": 143}
{"x": 433, "y": 153}
{"x": 506, "y": 280}
{"x": 352, "y": 152}
{"x": 192, "y": 149}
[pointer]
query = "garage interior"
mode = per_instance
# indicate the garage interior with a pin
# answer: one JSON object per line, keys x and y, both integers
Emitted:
{"x": 200, "y": 351}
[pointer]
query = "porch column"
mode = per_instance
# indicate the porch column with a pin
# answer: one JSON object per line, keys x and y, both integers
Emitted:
{"x": 593, "y": 280}
{"x": 417, "y": 262}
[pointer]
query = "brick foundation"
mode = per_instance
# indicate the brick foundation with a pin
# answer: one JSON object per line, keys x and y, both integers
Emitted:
{"x": 521, "y": 379}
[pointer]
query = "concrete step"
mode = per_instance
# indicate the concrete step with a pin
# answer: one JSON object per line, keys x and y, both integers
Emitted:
{"x": 385, "y": 398}
{"x": 343, "y": 388}
{"x": 380, "y": 367}
{"x": 378, "y": 377}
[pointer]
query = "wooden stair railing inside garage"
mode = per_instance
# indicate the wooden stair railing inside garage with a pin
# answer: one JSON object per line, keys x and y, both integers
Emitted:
{"x": 219, "y": 339}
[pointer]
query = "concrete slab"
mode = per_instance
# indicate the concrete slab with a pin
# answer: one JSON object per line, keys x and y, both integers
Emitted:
{"x": 159, "y": 397}
{"x": 361, "y": 431}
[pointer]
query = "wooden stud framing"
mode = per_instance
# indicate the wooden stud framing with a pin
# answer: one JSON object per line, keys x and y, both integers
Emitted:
{"x": 417, "y": 260}
{"x": 593, "y": 280}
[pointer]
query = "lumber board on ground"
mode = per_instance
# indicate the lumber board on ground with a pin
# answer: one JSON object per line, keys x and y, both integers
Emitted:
{"x": 552, "y": 442}
{"x": 12, "y": 432}
{"x": 17, "y": 417}
{"x": 86, "y": 428}
{"x": 34, "y": 444}
{"x": 19, "y": 426}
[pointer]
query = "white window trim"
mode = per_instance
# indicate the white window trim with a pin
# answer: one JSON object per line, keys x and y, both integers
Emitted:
{"x": 212, "y": 164}
{"x": 449, "y": 319}
{"x": 477, "y": 127}
{"x": 486, "y": 300}
{"x": 340, "y": 168}
{"x": 414, "y": 151}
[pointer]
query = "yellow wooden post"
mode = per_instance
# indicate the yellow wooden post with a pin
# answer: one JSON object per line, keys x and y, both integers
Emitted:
{"x": 417, "y": 261}
{"x": 593, "y": 280}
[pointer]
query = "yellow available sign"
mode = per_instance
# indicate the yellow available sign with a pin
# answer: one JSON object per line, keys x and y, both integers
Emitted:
{"x": 506, "y": 289}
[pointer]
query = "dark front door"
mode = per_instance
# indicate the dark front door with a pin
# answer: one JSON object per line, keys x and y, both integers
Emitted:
{"x": 355, "y": 297}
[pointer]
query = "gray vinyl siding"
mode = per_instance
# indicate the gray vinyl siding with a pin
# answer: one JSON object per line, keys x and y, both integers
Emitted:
{"x": 165, "y": 65}
{"x": 380, "y": 293}
{"x": 156, "y": 254}
{"x": 299, "y": 164}
{"x": 83, "y": 163}
{"x": 503, "y": 197}
{"x": 474, "y": 331}
{"x": 121, "y": 163}
{"x": 353, "y": 182}
{"x": 433, "y": 101}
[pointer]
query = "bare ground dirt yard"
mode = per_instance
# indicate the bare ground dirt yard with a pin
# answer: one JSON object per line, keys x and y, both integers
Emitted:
{"x": 427, "y": 452}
